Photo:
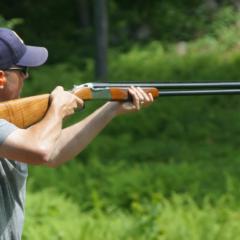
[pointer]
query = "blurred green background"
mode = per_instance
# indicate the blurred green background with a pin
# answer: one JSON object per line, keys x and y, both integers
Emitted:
{"x": 169, "y": 172}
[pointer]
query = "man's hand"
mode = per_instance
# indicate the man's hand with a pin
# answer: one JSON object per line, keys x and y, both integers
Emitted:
{"x": 65, "y": 102}
{"x": 139, "y": 99}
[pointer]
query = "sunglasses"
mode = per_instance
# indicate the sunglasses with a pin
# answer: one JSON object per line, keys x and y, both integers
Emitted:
{"x": 24, "y": 70}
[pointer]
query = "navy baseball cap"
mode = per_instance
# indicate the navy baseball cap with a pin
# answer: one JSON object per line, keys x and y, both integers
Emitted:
{"x": 13, "y": 51}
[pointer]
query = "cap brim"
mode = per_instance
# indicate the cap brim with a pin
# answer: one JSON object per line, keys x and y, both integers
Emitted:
{"x": 33, "y": 57}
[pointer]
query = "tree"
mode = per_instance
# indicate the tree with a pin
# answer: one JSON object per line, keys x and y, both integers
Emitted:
{"x": 101, "y": 24}
{"x": 83, "y": 13}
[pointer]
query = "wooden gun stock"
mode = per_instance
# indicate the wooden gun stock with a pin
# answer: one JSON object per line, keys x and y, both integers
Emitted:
{"x": 24, "y": 112}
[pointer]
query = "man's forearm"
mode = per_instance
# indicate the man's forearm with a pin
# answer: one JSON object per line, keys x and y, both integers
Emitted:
{"x": 75, "y": 138}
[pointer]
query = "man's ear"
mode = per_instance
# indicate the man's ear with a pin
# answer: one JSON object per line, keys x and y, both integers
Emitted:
{"x": 3, "y": 79}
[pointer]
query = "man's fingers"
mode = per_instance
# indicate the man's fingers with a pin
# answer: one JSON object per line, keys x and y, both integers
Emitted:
{"x": 143, "y": 94}
{"x": 140, "y": 97}
{"x": 150, "y": 97}
{"x": 136, "y": 97}
{"x": 80, "y": 102}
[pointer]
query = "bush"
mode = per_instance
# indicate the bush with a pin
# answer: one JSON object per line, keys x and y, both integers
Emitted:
{"x": 50, "y": 215}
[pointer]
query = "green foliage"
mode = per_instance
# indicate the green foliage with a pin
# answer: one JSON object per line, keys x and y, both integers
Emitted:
{"x": 181, "y": 218}
{"x": 108, "y": 185}
{"x": 175, "y": 137}
{"x": 167, "y": 21}
{"x": 10, "y": 23}
{"x": 52, "y": 216}
{"x": 130, "y": 22}
{"x": 168, "y": 172}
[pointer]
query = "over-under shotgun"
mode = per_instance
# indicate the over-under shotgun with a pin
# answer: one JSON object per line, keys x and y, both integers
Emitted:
{"x": 24, "y": 112}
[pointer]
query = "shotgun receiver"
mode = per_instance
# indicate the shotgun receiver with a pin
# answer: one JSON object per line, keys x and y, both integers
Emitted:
{"x": 24, "y": 112}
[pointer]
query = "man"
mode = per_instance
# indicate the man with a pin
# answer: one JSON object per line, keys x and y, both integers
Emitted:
{"x": 46, "y": 142}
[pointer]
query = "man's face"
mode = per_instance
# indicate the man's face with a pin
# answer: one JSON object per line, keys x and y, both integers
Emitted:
{"x": 14, "y": 83}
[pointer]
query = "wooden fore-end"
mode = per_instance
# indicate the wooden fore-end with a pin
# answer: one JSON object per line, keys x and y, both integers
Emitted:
{"x": 85, "y": 93}
{"x": 122, "y": 94}
{"x": 25, "y": 111}
{"x": 111, "y": 93}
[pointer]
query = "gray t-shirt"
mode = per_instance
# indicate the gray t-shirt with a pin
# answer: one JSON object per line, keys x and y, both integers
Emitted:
{"x": 13, "y": 176}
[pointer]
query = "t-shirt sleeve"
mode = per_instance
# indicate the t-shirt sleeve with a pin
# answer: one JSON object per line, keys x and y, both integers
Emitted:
{"x": 5, "y": 129}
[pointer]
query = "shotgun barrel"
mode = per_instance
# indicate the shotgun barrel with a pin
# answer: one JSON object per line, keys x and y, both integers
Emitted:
{"x": 201, "y": 92}
{"x": 166, "y": 85}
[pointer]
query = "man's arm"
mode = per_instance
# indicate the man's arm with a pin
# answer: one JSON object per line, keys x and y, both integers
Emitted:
{"x": 75, "y": 138}
{"x": 34, "y": 144}
{"x": 46, "y": 142}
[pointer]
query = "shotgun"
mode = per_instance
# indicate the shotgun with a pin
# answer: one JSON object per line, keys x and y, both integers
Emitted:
{"x": 24, "y": 112}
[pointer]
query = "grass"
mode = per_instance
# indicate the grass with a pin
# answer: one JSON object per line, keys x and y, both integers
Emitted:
{"x": 51, "y": 215}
